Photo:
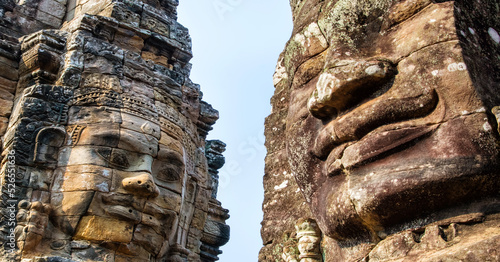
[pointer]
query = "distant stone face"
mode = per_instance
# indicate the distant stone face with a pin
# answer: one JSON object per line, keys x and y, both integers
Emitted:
{"x": 389, "y": 124}
{"x": 105, "y": 155}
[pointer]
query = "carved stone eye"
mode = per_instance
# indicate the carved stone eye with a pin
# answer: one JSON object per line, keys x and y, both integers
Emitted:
{"x": 104, "y": 153}
{"x": 169, "y": 174}
{"x": 114, "y": 158}
{"x": 119, "y": 159}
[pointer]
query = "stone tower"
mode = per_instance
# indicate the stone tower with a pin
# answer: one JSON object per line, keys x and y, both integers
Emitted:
{"x": 104, "y": 151}
{"x": 383, "y": 140}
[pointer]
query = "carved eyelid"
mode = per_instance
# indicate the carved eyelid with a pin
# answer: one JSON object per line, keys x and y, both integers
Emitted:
{"x": 169, "y": 161}
{"x": 109, "y": 159}
{"x": 170, "y": 156}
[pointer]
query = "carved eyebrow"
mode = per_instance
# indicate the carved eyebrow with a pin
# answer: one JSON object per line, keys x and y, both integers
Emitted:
{"x": 138, "y": 142}
{"x": 104, "y": 138}
{"x": 172, "y": 156}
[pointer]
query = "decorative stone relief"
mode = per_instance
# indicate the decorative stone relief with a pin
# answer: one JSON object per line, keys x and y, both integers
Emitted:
{"x": 309, "y": 238}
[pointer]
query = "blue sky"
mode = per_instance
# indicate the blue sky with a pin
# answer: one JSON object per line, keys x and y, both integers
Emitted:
{"x": 236, "y": 44}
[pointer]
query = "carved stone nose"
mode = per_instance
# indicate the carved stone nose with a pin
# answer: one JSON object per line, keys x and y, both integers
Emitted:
{"x": 141, "y": 185}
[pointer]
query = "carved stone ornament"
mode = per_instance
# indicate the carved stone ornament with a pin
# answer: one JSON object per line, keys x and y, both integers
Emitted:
{"x": 309, "y": 238}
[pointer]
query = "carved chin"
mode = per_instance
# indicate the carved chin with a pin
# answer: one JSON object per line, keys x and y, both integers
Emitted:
{"x": 400, "y": 176}
{"x": 387, "y": 198}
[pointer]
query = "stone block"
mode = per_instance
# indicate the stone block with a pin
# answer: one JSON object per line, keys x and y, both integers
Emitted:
{"x": 40, "y": 196}
{"x": 171, "y": 143}
{"x": 48, "y": 19}
{"x": 69, "y": 181}
{"x": 104, "y": 229}
{"x": 67, "y": 224}
{"x": 53, "y": 7}
{"x": 71, "y": 203}
{"x": 122, "y": 13}
{"x": 148, "y": 238}
{"x": 9, "y": 62}
{"x": 393, "y": 247}
{"x": 40, "y": 179}
{"x": 7, "y": 85}
{"x": 138, "y": 142}
{"x": 137, "y": 89}
{"x": 97, "y": 47}
{"x": 84, "y": 155}
{"x": 102, "y": 201}
{"x": 74, "y": 59}
{"x": 139, "y": 124}
{"x": 9, "y": 72}
{"x": 5, "y": 107}
{"x": 70, "y": 14}
{"x": 199, "y": 219}
{"x": 100, "y": 65}
{"x": 100, "y": 135}
{"x": 93, "y": 7}
{"x": 93, "y": 253}
{"x": 4, "y": 122}
{"x": 70, "y": 4}
{"x": 167, "y": 200}
{"x": 90, "y": 169}
{"x": 126, "y": 250}
{"x": 128, "y": 40}
{"x": 155, "y": 25}
{"x": 142, "y": 74}
{"x": 123, "y": 212}
{"x": 101, "y": 81}
{"x": 170, "y": 128}
{"x": 158, "y": 59}
{"x": 93, "y": 115}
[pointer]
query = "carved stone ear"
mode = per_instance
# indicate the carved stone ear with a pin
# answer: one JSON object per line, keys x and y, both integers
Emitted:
{"x": 47, "y": 144}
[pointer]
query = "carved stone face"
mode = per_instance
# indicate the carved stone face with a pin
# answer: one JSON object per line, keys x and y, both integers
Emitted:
{"x": 384, "y": 124}
{"x": 121, "y": 180}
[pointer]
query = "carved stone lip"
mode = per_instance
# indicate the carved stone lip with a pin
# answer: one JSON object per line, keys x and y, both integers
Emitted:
{"x": 137, "y": 217}
{"x": 123, "y": 212}
{"x": 352, "y": 154}
{"x": 119, "y": 206}
{"x": 373, "y": 128}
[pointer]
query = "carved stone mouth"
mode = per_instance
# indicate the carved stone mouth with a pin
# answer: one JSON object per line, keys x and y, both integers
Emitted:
{"x": 354, "y": 100}
{"x": 120, "y": 207}
{"x": 369, "y": 130}
{"x": 349, "y": 155}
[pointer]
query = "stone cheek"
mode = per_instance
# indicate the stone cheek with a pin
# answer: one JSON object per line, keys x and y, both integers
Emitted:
{"x": 71, "y": 203}
{"x": 104, "y": 229}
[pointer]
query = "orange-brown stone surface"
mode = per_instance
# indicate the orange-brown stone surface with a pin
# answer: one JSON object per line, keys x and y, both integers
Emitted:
{"x": 384, "y": 131}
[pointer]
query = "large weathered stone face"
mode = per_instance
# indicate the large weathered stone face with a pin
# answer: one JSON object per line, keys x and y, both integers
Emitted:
{"x": 385, "y": 125}
{"x": 122, "y": 179}
{"x": 105, "y": 145}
